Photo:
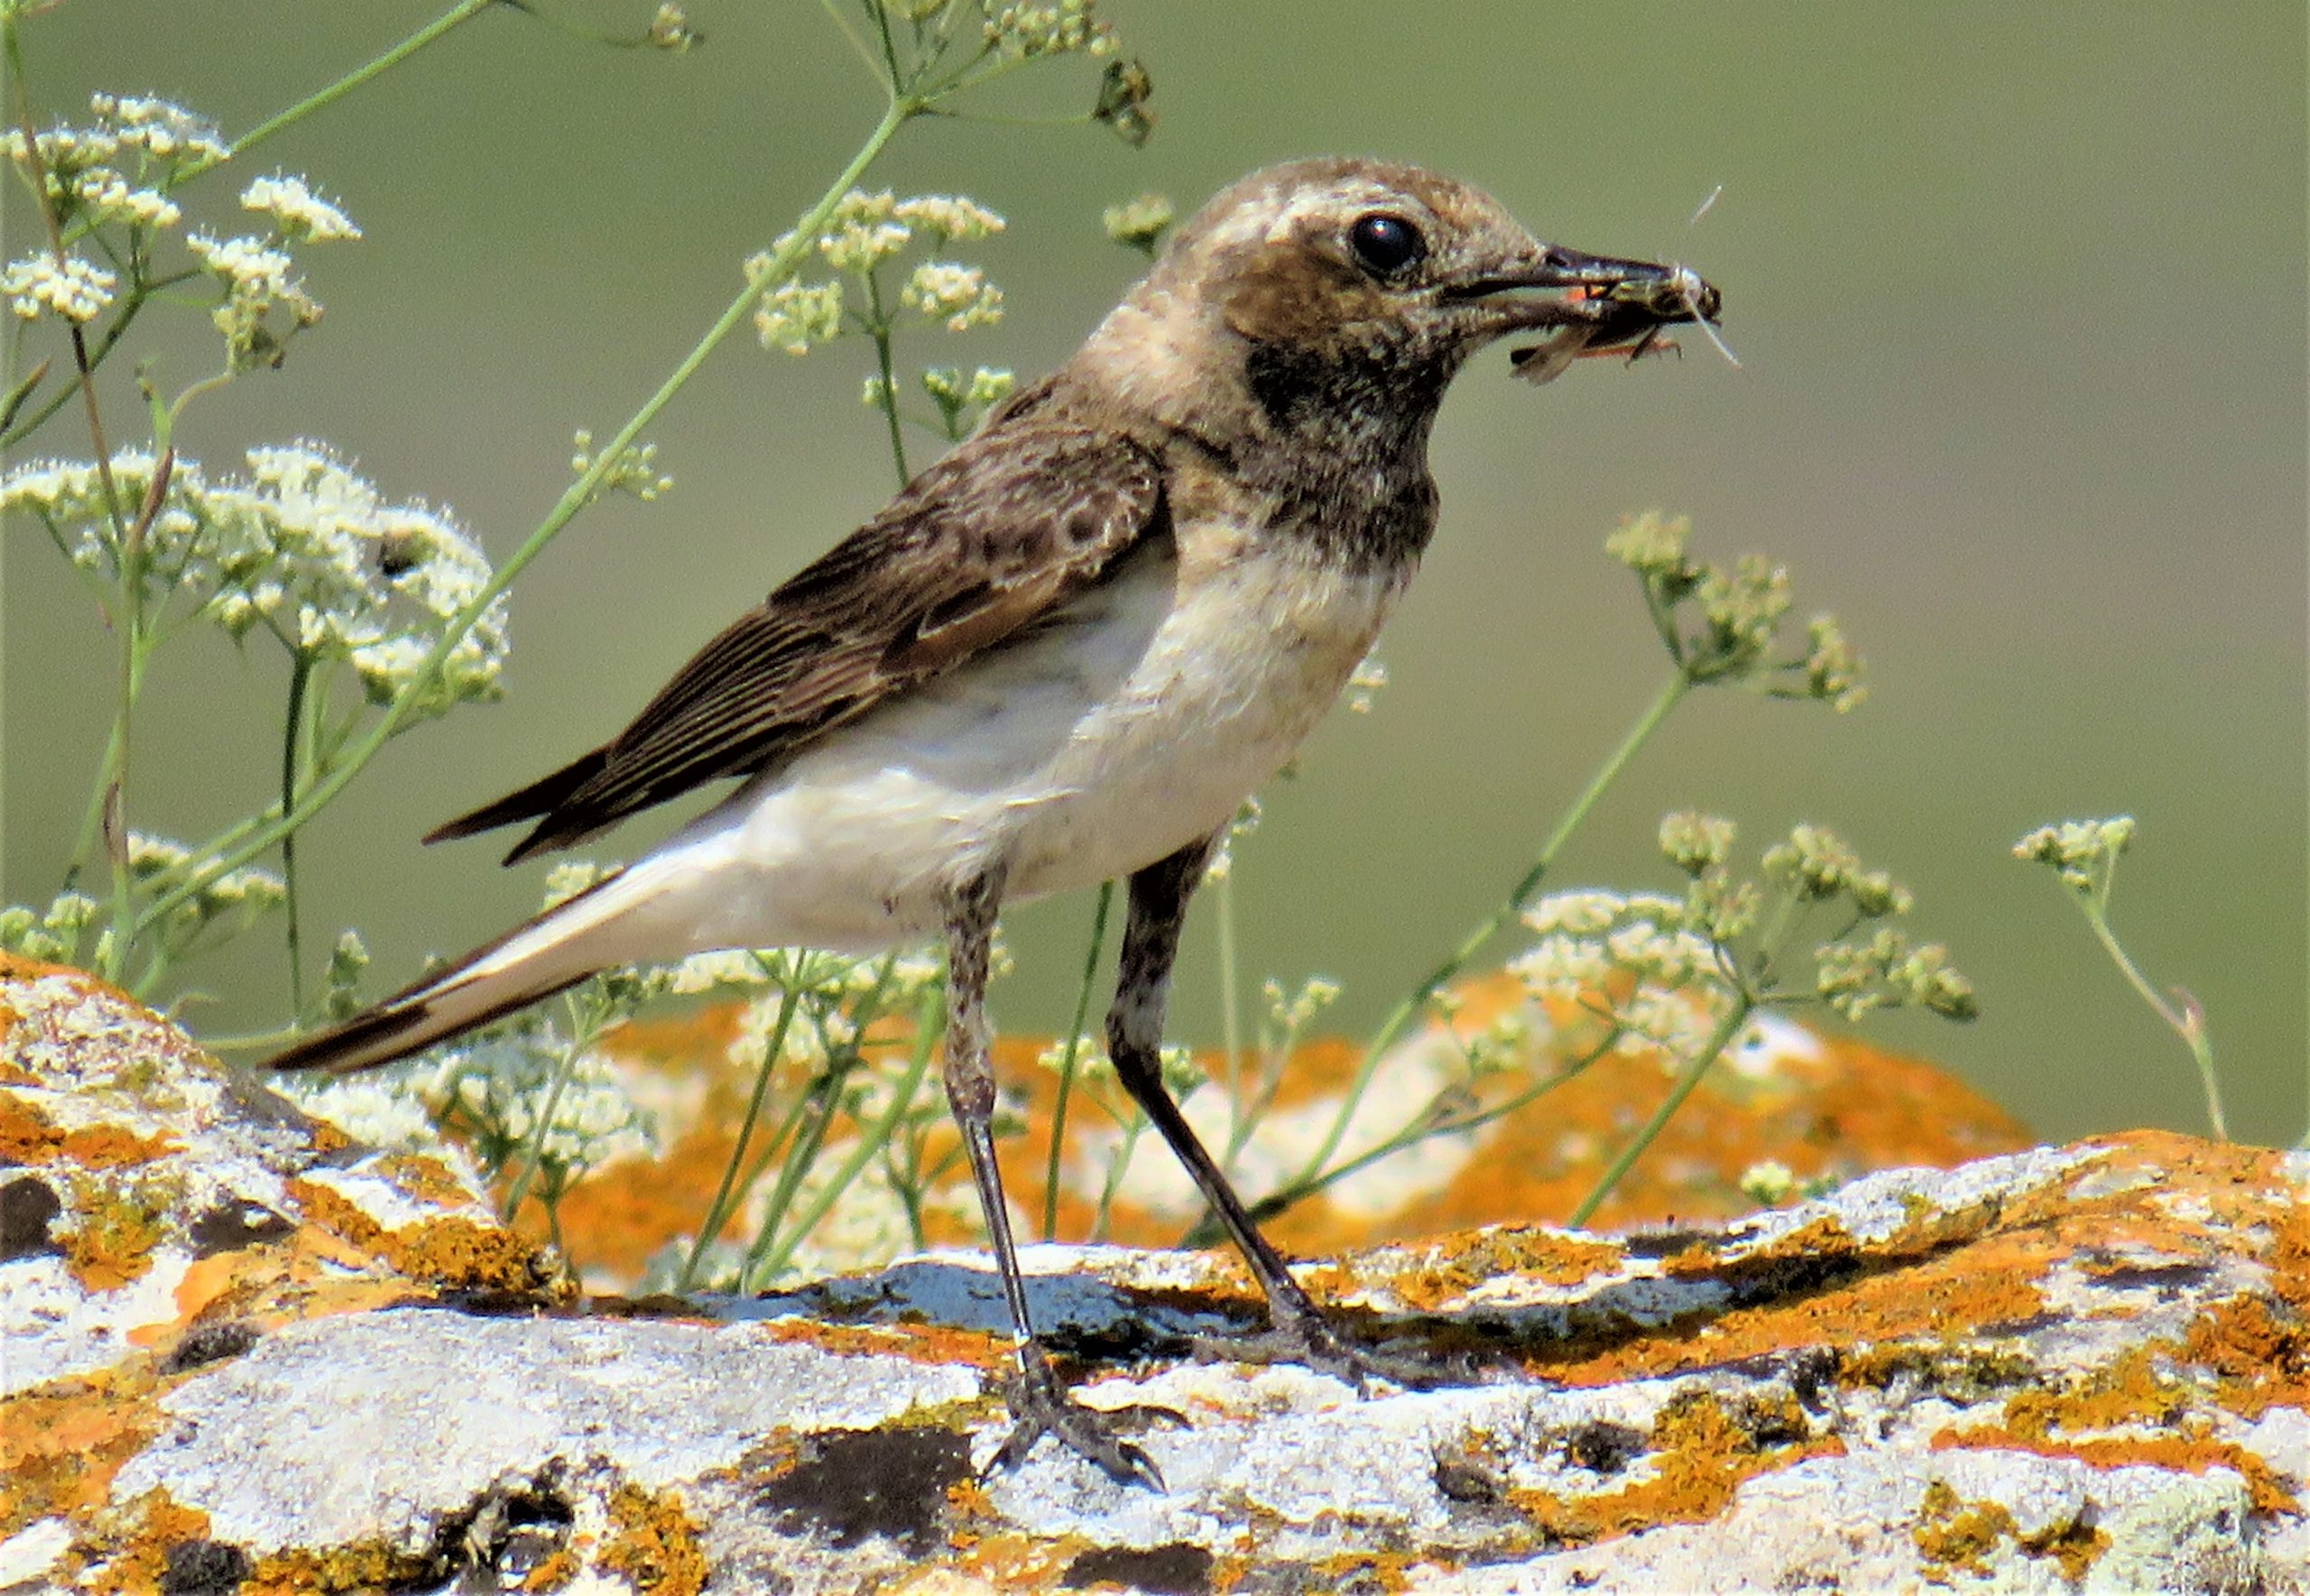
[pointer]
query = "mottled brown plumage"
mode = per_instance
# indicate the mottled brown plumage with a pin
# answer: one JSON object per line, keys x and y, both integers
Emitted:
{"x": 974, "y": 551}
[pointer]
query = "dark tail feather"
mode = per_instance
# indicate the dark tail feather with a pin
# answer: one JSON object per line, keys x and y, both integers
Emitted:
{"x": 558, "y": 949}
{"x": 541, "y": 796}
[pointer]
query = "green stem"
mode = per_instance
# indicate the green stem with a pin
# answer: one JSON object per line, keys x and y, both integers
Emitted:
{"x": 457, "y": 16}
{"x": 1399, "y": 1019}
{"x": 300, "y": 669}
{"x": 717, "y": 1213}
{"x": 872, "y": 1139}
{"x": 1687, "y": 1078}
{"x": 581, "y": 492}
{"x": 533, "y": 1153}
{"x": 820, "y": 1104}
{"x": 1067, "y": 1061}
{"x": 2190, "y": 1029}
{"x": 881, "y": 329}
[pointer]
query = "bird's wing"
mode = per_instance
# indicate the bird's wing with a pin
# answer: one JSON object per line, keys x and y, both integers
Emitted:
{"x": 978, "y": 549}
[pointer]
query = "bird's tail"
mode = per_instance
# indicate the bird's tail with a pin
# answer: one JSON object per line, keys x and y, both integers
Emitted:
{"x": 580, "y": 937}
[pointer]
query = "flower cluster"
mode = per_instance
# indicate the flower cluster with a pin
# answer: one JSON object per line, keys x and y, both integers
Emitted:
{"x": 145, "y": 142}
{"x": 1065, "y": 28}
{"x": 959, "y": 296}
{"x": 303, "y": 548}
{"x": 227, "y": 904}
{"x": 2081, "y": 851}
{"x": 297, "y": 213}
{"x": 52, "y": 935}
{"x": 1668, "y": 971}
{"x": 867, "y": 231}
{"x": 39, "y": 284}
{"x": 1725, "y": 626}
{"x": 262, "y": 305}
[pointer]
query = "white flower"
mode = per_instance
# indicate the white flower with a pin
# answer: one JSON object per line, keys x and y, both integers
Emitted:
{"x": 162, "y": 128}
{"x": 72, "y": 287}
{"x": 107, "y": 197}
{"x": 248, "y": 265}
{"x": 949, "y": 217}
{"x": 704, "y": 972}
{"x": 958, "y": 295}
{"x": 300, "y": 212}
{"x": 793, "y": 316}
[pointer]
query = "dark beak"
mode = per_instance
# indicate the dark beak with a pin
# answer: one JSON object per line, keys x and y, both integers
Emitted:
{"x": 1592, "y": 304}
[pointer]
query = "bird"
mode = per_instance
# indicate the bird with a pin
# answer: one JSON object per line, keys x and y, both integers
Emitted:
{"x": 1065, "y": 654}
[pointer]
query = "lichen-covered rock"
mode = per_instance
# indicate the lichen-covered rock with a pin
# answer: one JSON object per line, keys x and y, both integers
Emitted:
{"x": 2079, "y": 1368}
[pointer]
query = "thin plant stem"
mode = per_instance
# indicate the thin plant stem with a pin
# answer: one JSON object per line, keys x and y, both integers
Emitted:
{"x": 872, "y": 1141}
{"x": 2190, "y": 1027}
{"x": 1104, "y": 1216}
{"x": 1068, "y": 1060}
{"x": 129, "y": 616}
{"x": 301, "y": 670}
{"x": 533, "y": 1150}
{"x": 881, "y": 329}
{"x": 579, "y": 493}
{"x": 818, "y": 1106}
{"x": 1408, "y": 1009}
{"x": 1737, "y": 1016}
{"x": 441, "y": 27}
{"x": 717, "y": 1213}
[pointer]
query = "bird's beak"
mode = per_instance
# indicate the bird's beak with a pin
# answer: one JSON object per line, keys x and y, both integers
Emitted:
{"x": 1595, "y": 305}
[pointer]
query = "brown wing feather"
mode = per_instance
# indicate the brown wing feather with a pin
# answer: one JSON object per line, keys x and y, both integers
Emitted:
{"x": 976, "y": 549}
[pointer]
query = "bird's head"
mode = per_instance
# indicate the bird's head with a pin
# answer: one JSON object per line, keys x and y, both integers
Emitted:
{"x": 1336, "y": 282}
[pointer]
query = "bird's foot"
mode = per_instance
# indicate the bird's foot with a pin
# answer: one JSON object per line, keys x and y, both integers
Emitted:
{"x": 1040, "y": 1405}
{"x": 1311, "y": 1341}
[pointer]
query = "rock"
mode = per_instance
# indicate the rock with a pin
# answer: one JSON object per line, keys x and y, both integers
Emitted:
{"x": 242, "y": 1355}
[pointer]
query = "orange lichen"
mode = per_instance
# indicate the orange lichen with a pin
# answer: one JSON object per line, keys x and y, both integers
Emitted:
{"x": 135, "y": 1561}
{"x": 451, "y": 1251}
{"x": 115, "y": 1231}
{"x": 2261, "y": 1360}
{"x": 26, "y": 1136}
{"x": 1703, "y": 1449}
{"x": 425, "y": 1178}
{"x": 339, "y": 1571}
{"x": 558, "y": 1570}
{"x": 654, "y": 1543}
{"x": 1454, "y": 1265}
{"x": 62, "y": 1443}
{"x": 1951, "y": 1533}
{"x": 935, "y": 1345}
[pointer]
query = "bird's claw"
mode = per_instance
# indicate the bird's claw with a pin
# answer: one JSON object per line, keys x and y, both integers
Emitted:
{"x": 1041, "y": 1408}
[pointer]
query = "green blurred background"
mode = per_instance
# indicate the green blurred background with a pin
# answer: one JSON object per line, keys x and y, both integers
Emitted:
{"x": 2019, "y": 293}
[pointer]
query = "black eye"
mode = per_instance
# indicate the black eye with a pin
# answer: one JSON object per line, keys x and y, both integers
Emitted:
{"x": 1386, "y": 244}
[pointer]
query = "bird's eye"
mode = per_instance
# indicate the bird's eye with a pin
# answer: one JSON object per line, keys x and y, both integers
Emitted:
{"x": 1386, "y": 244}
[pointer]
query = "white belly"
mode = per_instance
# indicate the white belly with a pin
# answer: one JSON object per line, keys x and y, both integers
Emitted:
{"x": 1135, "y": 722}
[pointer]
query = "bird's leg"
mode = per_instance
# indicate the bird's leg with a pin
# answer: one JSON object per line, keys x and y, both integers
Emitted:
{"x": 1038, "y": 1403}
{"x": 1299, "y": 1332}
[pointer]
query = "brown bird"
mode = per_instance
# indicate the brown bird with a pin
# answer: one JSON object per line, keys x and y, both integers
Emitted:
{"x": 1067, "y": 653}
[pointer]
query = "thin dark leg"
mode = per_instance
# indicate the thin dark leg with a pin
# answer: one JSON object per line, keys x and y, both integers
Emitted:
{"x": 1150, "y": 943}
{"x": 1040, "y": 1404}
